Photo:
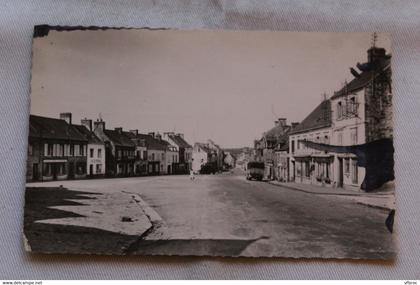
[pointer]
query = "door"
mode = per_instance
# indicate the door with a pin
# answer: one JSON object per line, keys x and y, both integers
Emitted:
{"x": 71, "y": 170}
{"x": 54, "y": 169}
{"x": 35, "y": 174}
{"x": 169, "y": 169}
{"x": 91, "y": 169}
{"x": 340, "y": 172}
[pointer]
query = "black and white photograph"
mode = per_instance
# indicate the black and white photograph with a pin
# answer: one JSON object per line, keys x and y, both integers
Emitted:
{"x": 226, "y": 143}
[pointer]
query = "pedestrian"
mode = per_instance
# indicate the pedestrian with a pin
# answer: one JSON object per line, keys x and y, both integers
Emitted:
{"x": 192, "y": 177}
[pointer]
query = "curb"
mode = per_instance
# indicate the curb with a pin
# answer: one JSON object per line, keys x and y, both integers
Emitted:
{"x": 332, "y": 194}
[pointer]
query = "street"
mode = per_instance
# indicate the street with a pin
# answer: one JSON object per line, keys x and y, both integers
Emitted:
{"x": 226, "y": 215}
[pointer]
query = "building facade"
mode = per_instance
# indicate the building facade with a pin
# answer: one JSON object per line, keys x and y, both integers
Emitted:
{"x": 184, "y": 150}
{"x": 119, "y": 150}
{"x": 265, "y": 148}
{"x": 56, "y": 150}
{"x": 95, "y": 150}
{"x": 308, "y": 165}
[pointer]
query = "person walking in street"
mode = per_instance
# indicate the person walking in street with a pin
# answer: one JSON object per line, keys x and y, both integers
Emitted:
{"x": 192, "y": 177}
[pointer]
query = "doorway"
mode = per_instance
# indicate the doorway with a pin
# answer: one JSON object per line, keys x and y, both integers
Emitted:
{"x": 71, "y": 170}
{"x": 340, "y": 173}
{"x": 35, "y": 174}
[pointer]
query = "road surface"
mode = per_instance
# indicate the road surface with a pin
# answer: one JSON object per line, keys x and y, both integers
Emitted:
{"x": 226, "y": 215}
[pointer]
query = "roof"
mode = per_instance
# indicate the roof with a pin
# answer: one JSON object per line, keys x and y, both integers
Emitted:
{"x": 363, "y": 80}
{"x": 277, "y": 132}
{"x": 151, "y": 142}
{"x": 319, "y": 118}
{"x": 52, "y": 128}
{"x": 179, "y": 141}
{"x": 204, "y": 147}
{"x": 89, "y": 135}
{"x": 119, "y": 139}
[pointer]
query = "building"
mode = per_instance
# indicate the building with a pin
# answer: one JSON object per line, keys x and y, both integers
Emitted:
{"x": 347, "y": 141}
{"x": 219, "y": 153}
{"x": 56, "y": 149}
{"x": 243, "y": 158}
{"x": 308, "y": 165}
{"x": 361, "y": 113}
{"x": 119, "y": 150}
{"x": 95, "y": 150}
{"x": 229, "y": 160}
{"x": 156, "y": 154}
{"x": 140, "y": 163}
{"x": 171, "y": 158}
{"x": 281, "y": 161}
{"x": 204, "y": 159}
{"x": 184, "y": 150}
{"x": 265, "y": 147}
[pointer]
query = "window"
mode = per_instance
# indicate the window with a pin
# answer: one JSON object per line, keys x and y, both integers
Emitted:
{"x": 46, "y": 169}
{"x": 293, "y": 146}
{"x": 144, "y": 154}
{"x": 30, "y": 149}
{"x": 352, "y": 108}
{"x": 76, "y": 150}
{"x": 153, "y": 156}
{"x": 91, "y": 150}
{"x": 119, "y": 154}
{"x": 347, "y": 165}
{"x": 71, "y": 150}
{"x": 307, "y": 168}
{"x": 354, "y": 171}
{"x": 98, "y": 168}
{"x": 163, "y": 156}
{"x": 339, "y": 110}
{"x": 50, "y": 149}
{"x": 99, "y": 153}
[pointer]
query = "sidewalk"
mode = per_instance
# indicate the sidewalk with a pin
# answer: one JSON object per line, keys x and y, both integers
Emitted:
{"x": 383, "y": 199}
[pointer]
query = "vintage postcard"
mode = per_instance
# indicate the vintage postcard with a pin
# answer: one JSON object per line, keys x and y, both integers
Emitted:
{"x": 210, "y": 143}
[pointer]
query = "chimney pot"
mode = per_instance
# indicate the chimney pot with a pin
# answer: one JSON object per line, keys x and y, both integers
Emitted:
{"x": 87, "y": 123}
{"x": 66, "y": 117}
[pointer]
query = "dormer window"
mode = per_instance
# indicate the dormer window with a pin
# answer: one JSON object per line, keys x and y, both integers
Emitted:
{"x": 339, "y": 110}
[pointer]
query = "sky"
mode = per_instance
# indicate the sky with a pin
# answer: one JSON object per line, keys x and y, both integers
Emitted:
{"x": 228, "y": 86}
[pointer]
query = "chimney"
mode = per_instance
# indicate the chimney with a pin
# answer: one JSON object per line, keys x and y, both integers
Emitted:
{"x": 281, "y": 122}
{"x": 99, "y": 124}
{"x": 87, "y": 123}
{"x": 119, "y": 130}
{"x": 135, "y": 132}
{"x": 180, "y": 135}
{"x": 158, "y": 136}
{"x": 152, "y": 134}
{"x": 66, "y": 117}
{"x": 375, "y": 54}
{"x": 294, "y": 125}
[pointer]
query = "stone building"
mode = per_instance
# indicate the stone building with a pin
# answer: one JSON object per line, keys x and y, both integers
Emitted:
{"x": 184, "y": 150}
{"x": 141, "y": 163}
{"x": 348, "y": 142}
{"x": 265, "y": 147}
{"x": 119, "y": 150}
{"x": 308, "y": 165}
{"x": 362, "y": 113}
{"x": 204, "y": 159}
{"x": 95, "y": 150}
{"x": 56, "y": 150}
